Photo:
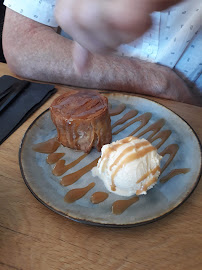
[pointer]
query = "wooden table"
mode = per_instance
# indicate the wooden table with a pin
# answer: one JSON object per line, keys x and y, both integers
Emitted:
{"x": 33, "y": 237}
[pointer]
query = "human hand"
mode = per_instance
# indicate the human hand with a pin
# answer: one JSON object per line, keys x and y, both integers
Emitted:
{"x": 100, "y": 26}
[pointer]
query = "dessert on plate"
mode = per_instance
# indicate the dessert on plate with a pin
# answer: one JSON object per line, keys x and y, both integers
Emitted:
{"x": 82, "y": 120}
{"x": 129, "y": 166}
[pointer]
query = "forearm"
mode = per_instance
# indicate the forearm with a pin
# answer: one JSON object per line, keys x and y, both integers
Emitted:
{"x": 52, "y": 61}
{"x": 41, "y": 54}
{"x": 35, "y": 51}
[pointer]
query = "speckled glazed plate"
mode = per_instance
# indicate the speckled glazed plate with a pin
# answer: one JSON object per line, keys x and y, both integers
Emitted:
{"x": 183, "y": 171}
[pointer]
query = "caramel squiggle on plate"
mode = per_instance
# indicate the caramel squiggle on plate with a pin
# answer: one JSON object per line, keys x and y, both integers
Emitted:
{"x": 119, "y": 206}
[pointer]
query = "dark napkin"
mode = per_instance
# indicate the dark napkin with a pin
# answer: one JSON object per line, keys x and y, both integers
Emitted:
{"x": 11, "y": 93}
{"x": 18, "y": 100}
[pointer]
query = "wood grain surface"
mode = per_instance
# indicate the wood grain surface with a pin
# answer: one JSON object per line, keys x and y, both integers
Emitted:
{"x": 32, "y": 237}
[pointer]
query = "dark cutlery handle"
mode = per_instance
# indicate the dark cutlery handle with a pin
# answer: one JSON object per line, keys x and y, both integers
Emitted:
{"x": 12, "y": 93}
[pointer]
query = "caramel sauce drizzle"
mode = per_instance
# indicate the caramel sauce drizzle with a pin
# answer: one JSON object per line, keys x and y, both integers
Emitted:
{"x": 91, "y": 107}
{"x": 128, "y": 150}
{"x": 144, "y": 119}
{"x": 174, "y": 173}
{"x": 70, "y": 179}
{"x": 54, "y": 157}
{"x": 120, "y": 206}
{"x": 99, "y": 197}
{"x": 107, "y": 154}
{"x": 125, "y": 152}
{"x": 46, "y": 147}
{"x": 128, "y": 159}
{"x": 125, "y": 118}
{"x": 84, "y": 105}
{"x": 163, "y": 135}
{"x": 147, "y": 185}
{"x": 77, "y": 193}
{"x": 170, "y": 150}
{"x": 148, "y": 173}
{"x": 154, "y": 127}
{"x": 114, "y": 148}
{"x": 60, "y": 167}
{"x": 117, "y": 110}
{"x": 128, "y": 139}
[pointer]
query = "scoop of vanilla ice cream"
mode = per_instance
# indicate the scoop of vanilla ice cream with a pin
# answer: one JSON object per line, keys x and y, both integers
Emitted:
{"x": 128, "y": 166}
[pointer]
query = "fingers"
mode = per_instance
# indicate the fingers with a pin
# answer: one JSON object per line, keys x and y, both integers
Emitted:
{"x": 100, "y": 26}
{"x": 93, "y": 30}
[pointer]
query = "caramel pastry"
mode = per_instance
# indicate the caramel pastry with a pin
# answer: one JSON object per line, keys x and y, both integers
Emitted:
{"x": 82, "y": 120}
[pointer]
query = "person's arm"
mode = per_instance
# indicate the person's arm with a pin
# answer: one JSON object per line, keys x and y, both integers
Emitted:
{"x": 35, "y": 51}
{"x": 100, "y": 26}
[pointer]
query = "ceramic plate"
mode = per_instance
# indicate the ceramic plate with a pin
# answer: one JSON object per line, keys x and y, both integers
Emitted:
{"x": 159, "y": 201}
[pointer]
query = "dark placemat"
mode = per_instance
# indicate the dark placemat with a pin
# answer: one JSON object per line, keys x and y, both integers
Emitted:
{"x": 19, "y": 100}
